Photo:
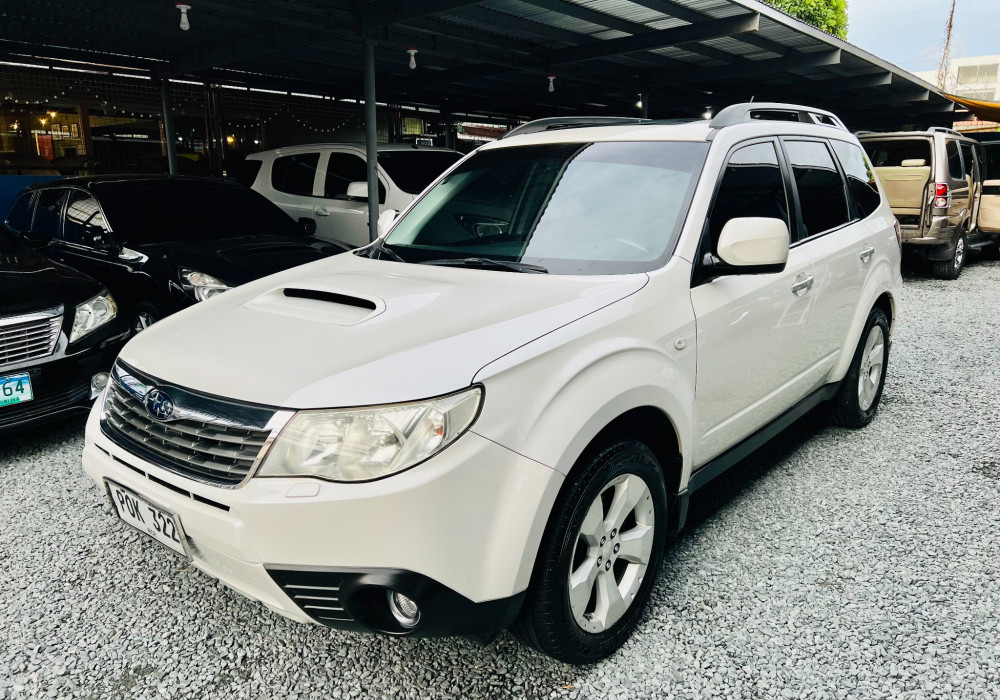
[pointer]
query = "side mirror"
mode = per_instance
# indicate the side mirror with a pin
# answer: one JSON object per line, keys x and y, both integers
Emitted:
{"x": 35, "y": 239}
{"x": 747, "y": 246}
{"x": 97, "y": 238}
{"x": 385, "y": 220}
{"x": 307, "y": 226}
{"x": 357, "y": 191}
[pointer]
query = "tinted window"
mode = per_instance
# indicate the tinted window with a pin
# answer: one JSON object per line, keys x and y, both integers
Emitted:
{"x": 821, "y": 189}
{"x": 247, "y": 173}
{"x": 991, "y": 161}
{"x": 892, "y": 152}
{"x": 599, "y": 208}
{"x": 967, "y": 157}
{"x": 344, "y": 168}
{"x": 19, "y": 216}
{"x": 860, "y": 178}
{"x": 191, "y": 212}
{"x": 295, "y": 174}
{"x": 413, "y": 171}
{"x": 751, "y": 186}
{"x": 47, "y": 211}
{"x": 954, "y": 160}
{"x": 81, "y": 210}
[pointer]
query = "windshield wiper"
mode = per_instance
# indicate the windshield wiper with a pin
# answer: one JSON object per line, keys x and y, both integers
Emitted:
{"x": 369, "y": 250}
{"x": 487, "y": 263}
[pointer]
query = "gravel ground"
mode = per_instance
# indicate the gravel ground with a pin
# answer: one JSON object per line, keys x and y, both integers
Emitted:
{"x": 831, "y": 564}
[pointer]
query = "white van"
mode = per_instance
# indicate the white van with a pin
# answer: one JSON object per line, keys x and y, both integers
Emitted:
{"x": 328, "y": 182}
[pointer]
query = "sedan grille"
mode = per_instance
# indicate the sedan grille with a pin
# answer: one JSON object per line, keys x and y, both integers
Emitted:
{"x": 29, "y": 337}
{"x": 209, "y": 448}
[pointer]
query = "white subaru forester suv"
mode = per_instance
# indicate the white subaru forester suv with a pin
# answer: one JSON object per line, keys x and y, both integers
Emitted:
{"x": 495, "y": 414}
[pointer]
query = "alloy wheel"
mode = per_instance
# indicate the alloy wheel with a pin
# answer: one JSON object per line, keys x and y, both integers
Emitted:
{"x": 872, "y": 360}
{"x": 612, "y": 552}
{"x": 959, "y": 253}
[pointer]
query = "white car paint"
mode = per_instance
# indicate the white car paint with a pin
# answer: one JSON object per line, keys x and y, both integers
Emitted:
{"x": 559, "y": 356}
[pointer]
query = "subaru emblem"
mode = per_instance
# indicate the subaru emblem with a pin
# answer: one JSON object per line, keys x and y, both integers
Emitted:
{"x": 158, "y": 404}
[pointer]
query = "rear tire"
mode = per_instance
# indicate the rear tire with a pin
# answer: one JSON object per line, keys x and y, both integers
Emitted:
{"x": 857, "y": 399}
{"x": 599, "y": 557}
{"x": 950, "y": 269}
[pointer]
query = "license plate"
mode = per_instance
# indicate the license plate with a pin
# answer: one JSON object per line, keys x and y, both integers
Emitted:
{"x": 148, "y": 518}
{"x": 14, "y": 389}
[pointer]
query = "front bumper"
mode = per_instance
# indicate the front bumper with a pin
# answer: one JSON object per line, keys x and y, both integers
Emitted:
{"x": 61, "y": 385}
{"x": 458, "y": 534}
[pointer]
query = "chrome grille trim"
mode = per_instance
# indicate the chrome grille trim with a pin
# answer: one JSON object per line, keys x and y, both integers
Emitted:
{"x": 29, "y": 336}
{"x": 212, "y": 441}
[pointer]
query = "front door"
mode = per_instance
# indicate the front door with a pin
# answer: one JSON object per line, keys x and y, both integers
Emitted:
{"x": 342, "y": 218}
{"x": 755, "y": 356}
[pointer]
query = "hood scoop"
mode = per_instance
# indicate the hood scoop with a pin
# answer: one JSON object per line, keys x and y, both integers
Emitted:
{"x": 339, "y": 307}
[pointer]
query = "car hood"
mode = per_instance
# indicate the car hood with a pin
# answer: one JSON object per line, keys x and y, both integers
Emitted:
{"x": 30, "y": 282}
{"x": 349, "y": 331}
{"x": 239, "y": 260}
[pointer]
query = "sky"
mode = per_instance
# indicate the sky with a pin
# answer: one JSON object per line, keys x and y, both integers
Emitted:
{"x": 910, "y": 33}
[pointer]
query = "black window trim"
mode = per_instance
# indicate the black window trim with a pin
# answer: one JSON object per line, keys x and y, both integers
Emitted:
{"x": 800, "y": 223}
{"x": 698, "y": 276}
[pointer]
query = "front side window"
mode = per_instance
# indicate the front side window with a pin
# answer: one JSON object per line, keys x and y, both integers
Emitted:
{"x": 344, "y": 168}
{"x": 295, "y": 174}
{"x": 954, "y": 160}
{"x": 82, "y": 210}
{"x": 47, "y": 212}
{"x": 860, "y": 178}
{"x": 575, "y": 208}
{"x": 822, "y": 199}
{"x": 19, "y": 216}
{"x": 752, "y": 185}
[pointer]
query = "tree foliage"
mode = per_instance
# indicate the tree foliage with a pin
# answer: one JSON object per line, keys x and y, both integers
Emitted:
{"x": 828, "y": 15}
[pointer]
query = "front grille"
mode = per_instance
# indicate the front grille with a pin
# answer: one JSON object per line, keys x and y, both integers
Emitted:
{"x": 46, "y": 402}
{"x": 29, "y": 337}
{"x": 317, "y": 593}
{"x": 213, "y": 450}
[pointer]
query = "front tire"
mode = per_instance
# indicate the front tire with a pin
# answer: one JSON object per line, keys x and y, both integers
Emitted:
{"x": 857, "y": 399}
{"x": 952, "y": 268}
{"x": 599, "y": 557}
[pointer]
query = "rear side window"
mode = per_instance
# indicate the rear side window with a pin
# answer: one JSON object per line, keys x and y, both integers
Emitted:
{"x": 752, "y": 185}
{"x": 967, "y": 157}
{"x": 47, "y": 212}
{"x": 295, "y": 174}
{"x": 891, "y": 153}
{"x": 860, "y": 178}
{"x": 247, "y": 173}
{"x": 19, "y": 217}
{"x": 954, "y": 160}
{"x": 821, "y": 189}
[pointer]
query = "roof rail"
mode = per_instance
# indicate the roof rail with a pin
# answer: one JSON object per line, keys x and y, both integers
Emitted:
{"x": 774, "y": 111}
{"x": 549, "y": 123}
{"x": 945, "y": 130}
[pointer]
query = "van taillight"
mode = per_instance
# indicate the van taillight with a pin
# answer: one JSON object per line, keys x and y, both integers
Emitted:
{"x": 941, "y": 196}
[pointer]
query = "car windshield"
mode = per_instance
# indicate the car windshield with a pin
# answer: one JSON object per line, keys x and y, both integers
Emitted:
{"x": 181, "y": 212}
{"x": 579, "y": 208}
{"x": 413, "y": 170}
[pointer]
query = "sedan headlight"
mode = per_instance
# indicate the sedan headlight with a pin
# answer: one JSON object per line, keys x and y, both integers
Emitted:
{"x": 369, "y": 443}
{"x": 92, "y": 314}
{"x": 200, "y": 285}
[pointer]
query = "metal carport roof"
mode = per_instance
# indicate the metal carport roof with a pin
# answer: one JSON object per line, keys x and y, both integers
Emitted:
{"x": 491, "y": 56}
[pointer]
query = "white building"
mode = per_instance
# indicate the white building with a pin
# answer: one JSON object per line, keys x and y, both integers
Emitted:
{"x": 974, "y": 77}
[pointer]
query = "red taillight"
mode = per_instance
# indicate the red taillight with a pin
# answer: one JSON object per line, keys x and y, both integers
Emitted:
{"x": 942, "y": 200}
{"x": 941, "y": 189}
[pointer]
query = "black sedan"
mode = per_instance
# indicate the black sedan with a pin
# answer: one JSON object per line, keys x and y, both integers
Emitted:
{"x": 162, "y": 243}
{"x": 59, "y": 335}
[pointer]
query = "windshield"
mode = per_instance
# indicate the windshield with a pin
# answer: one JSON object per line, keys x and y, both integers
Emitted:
{"x": 194, "y": 211}
{"x": 413, "y": 170}
{"x": 597, "y": 208}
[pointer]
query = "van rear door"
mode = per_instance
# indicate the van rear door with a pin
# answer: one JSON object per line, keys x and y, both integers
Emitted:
{"x": 903, "y": 166}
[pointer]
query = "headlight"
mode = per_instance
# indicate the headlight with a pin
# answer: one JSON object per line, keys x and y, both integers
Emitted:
{"x": 92, "y": 314}
{"x": 369, "y": 443}
{"x": 200, "y": 285}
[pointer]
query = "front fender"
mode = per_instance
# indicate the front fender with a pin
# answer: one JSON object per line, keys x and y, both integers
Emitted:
{"x": 550, "y": 398}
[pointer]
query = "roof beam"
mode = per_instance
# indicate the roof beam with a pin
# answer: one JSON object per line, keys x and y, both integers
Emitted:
{"x": 385, "y": 12}
{"x": 755, "y": 68}
{"x": 674, "y": 9}
{"x": 779, "y": 93}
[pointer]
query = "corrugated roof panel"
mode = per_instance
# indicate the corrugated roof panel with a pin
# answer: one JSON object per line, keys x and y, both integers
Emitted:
{"x": 716, "y": 9}
{"x": 622, "y": 9}
{"x": 678, "y": 53}
{"x": 740, "y": 49}
{"x": 667, "y": 23}
{"x": 609, "y": 34}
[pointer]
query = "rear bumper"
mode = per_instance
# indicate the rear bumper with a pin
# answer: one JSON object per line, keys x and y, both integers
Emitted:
{"x": 935, "y": 243}
{"x": 61, "y": 386}
{"x": 458, "y": 534}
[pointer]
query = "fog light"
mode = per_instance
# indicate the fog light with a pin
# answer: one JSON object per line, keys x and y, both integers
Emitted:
{"x": 97, "y": 384}
{"x": 406, "y": 612}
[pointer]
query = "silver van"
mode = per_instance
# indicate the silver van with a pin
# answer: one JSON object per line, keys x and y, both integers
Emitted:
{"x": 939, "y": 192}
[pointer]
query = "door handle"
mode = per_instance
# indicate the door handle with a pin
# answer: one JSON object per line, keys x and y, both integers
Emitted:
{"x": 802, "y": 286}
{"x": 321, "y": 211}
{"x": 866, "y": 254}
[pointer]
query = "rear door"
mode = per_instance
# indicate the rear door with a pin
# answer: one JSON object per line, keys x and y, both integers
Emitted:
{"x": 972, "y": 176}
{"x": 989, "y": 205}
{"x": 959, "y": 187}
{"x": 293, "y": 180}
